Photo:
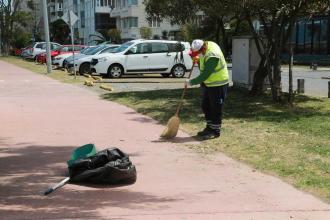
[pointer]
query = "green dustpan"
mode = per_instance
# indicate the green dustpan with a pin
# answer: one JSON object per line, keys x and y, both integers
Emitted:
{"x": 82, "y": 152}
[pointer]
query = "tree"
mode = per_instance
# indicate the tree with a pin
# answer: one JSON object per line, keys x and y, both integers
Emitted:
{"x": 10, "y": 17}
{"x": 60, "y": 32}
{"x": 145, "y": 32}
{"x": 217, "y": 14}
{"x": 277, "y": 17}
{"x": 114, "y": 35}
{"x": 21, "y": 38}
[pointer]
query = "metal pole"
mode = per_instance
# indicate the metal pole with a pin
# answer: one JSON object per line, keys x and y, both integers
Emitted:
{"x": 328, "y": 89}
{"x": 72, "y": 42}
{"x": 0, "y": 41}
{"x": 45, "y": 13}
{"x": 301, "y": 86}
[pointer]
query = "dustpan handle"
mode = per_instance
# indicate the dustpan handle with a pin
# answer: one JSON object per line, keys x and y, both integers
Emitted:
{"x": 183, "y": 93}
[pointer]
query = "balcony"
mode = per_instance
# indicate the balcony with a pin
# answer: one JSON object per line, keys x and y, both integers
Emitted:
{"x": 102, "y": 9}
{"x": 130, "y": 11}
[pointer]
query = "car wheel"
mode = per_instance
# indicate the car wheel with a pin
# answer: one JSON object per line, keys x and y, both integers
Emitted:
{"x": 115, "y": 71}
{"x": 84, "y": 68}
{"x": 166, "y": 75}
{"x": 178, "y": 71}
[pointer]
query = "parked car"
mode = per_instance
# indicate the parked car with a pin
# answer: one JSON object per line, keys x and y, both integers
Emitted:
{"x": 25, "y": 52}
{"x": 39, "y": 47}
{"x": 82, "y": 62}
{"x": 145, "y": 56}
{"x": 64, "y": 49}
{"x": 60, "y": 60}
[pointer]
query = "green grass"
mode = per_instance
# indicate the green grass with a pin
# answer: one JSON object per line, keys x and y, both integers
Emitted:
{"x": 290, "y": 142}
{"x": 60, "y": 75}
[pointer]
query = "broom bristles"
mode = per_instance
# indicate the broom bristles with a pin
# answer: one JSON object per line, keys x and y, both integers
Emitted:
{"x": 172, "y": 127}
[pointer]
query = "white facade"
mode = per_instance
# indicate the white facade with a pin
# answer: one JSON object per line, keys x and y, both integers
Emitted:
{"x": 55, "y": 9}
{"x": 131, "y": 16}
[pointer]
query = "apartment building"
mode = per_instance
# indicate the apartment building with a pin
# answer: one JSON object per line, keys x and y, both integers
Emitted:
{"x": 130, "y": 16}
{"x": 94, "y": 15}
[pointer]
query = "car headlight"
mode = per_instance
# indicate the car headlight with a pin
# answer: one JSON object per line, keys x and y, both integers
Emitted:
{"x": 103, "y": 59}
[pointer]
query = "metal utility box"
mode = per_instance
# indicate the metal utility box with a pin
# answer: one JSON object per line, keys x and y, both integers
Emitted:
{"x": 245, "y": 61}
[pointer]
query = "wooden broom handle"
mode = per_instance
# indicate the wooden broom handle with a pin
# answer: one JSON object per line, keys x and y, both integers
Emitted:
{"x": 183, "y": 93}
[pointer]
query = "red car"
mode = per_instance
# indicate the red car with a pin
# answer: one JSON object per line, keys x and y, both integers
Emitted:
{"x": 41, "y": 58}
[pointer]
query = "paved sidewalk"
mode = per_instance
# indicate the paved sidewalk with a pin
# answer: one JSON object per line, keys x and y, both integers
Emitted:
{"x": 42, "y": 121}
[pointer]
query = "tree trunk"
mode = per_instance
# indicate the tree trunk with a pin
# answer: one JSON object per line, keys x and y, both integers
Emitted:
{"x": 259, "y": 77}
{"x": 277, "y": 74}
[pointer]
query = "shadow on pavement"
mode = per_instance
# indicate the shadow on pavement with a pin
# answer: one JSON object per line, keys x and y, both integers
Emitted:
{"x": 27, "y": 171}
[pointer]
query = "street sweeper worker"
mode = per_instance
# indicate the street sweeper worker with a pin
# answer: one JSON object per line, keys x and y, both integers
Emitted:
{"x": 214, "y": 80}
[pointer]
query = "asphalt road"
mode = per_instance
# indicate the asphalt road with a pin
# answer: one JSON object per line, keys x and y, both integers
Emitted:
{"x": 315, "y": 85}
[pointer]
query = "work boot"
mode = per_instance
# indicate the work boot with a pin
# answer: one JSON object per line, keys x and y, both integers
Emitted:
{"x": 204, "y": 132}
{"x": 210, "y": 135}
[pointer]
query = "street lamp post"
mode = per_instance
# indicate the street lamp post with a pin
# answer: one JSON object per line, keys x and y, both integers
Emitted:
{"x": 111, "y": 9}
{"x": 46, "y": 26}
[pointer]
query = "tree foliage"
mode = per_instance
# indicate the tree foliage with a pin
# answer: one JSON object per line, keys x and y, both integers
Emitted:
{"x": 10, "y": 18}
{"x": 145, "y": 32}
{"x": 60, "y": 32}
{"x": 114, "y": 35}
{"x": 277, "y": 17}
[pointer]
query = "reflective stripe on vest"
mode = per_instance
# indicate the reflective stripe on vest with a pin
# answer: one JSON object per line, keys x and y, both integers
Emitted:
{"x": 220, "y": 75}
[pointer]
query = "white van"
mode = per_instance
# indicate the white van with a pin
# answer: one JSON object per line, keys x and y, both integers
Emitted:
{"x": 145, "y": 56}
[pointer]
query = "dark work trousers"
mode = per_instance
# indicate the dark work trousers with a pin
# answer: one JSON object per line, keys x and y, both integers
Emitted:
{"x": 213, "y": 99}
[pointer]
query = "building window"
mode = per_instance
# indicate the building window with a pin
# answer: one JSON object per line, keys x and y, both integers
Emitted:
{"x": 104, "y": 22}
{"x": 98, "y": 3}
{"x": 104, "y": 3}
{"x": 132, "y": 2}
{"x": 133, "y": 22}
{"x": 316, "y": 35}
{"x": 324, "y": 35}
{"x": 300, "y": 36}
{"x": 82, "y": 19}
{"x": 124, "y": 3}
{"x": 60, "y": 6}
{"x": 117, "y": 4}
{"x": 308, "y": 36}
{"x": 111, "y": 3}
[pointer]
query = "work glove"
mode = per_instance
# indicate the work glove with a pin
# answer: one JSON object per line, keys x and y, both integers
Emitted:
{"x": 187, "y": 83}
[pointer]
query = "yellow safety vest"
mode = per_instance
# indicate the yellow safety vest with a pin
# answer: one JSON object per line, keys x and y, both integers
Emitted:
{"x": 220, "y": 75}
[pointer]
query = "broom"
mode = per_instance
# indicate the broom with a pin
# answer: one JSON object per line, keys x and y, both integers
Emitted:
{"x": 173, "y": 123}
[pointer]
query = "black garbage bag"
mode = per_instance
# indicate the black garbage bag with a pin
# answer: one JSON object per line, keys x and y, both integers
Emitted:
{"x": 110, "y": 166}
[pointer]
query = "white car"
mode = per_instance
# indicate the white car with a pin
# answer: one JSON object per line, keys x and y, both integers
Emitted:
{"x": 38, "y": 48}
{"x": 58, "y": 61}
{"x": 145, "y": 56}
{"x": 83, "y": 61}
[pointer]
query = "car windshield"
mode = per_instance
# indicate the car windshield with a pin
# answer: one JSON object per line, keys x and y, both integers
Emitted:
{"x": 88, "y": 49}
{"x": 85, "y": 49}
{"x": 123, "y": 47}
{"x": 95, "y": 50}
